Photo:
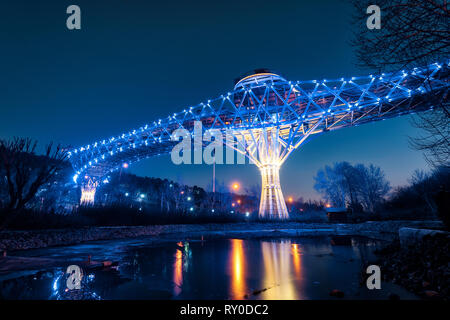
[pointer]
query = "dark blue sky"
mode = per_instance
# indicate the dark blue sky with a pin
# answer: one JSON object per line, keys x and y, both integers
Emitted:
{"x": 135, "y": 61}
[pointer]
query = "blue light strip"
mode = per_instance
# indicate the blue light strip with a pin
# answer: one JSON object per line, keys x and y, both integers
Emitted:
{"x": 336, "y": 103}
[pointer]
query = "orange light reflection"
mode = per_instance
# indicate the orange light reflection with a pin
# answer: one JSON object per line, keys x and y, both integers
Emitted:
{"x": 296, "y": 259}
{"x": 178, "y": 271}
{"x": 237, "y": 267}
{"x": 277, "y": 280}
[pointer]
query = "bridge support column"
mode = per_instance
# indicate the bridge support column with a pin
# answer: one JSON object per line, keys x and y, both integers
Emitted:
{"x": 272, "y": 204}
{"x": 88, "y": 192}
{"x": 265, "y": 148}
{"x": 268, "y": 156}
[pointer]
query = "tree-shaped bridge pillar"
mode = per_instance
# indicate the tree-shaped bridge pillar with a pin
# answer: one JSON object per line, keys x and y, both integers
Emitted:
{"x": 88, "y": 188}
{"x": 272, "y": 203}
{"x": 268, "y": 148}
{"x": 268, "y": 158}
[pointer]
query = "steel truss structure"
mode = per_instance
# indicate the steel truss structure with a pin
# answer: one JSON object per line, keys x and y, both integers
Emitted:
{"x": 273, "y": 117}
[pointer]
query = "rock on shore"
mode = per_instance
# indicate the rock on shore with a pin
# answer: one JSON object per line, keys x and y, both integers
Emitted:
{"x": 414, "y": 236}
{"x": 422, "y": 268}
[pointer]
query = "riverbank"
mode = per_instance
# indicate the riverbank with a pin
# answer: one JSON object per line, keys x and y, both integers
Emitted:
{"x": 23, "y": 240}
{"x": 422, "y": 268}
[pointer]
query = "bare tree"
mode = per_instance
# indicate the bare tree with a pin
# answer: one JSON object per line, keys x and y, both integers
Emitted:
{"x": 351, "y": 178}
{"x": 329, "y": 182}
{"x": 413, "y": 32}
{"x": 178, "y": 196}
{"x": 434, "y": 140}
{"x": 422, "y": 185}
{"x": 343, "y": 183}
{"x": 373, "y": 186}
{"x": 24, "y": 174}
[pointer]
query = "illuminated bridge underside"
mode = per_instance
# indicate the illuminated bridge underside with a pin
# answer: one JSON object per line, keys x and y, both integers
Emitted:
{"x": 275, "y": 117}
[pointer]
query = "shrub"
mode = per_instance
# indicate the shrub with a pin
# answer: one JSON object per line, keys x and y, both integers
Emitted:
{"x": 109, "y": 216}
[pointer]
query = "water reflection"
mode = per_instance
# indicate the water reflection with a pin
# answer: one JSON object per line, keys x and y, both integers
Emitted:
{"x": 297, "y": 268}
{"x": 60, "y": 290}
{"x": 281, "y": 267}
{"x": 275, "y": 273}
{"x": 296, "y": 259}
{"x": 237, "y": 266}
{"x": 178, "y": 271}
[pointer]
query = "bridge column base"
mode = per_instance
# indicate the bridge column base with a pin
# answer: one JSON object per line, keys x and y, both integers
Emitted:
{"x": 88, "y": 192}
{"x": 272, "y": 203}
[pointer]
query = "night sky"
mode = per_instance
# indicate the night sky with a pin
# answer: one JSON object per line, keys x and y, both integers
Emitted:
{"x": 135, "y": 61}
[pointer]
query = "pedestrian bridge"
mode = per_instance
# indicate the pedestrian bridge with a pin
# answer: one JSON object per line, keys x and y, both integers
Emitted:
{"x": 272, "y": 117}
